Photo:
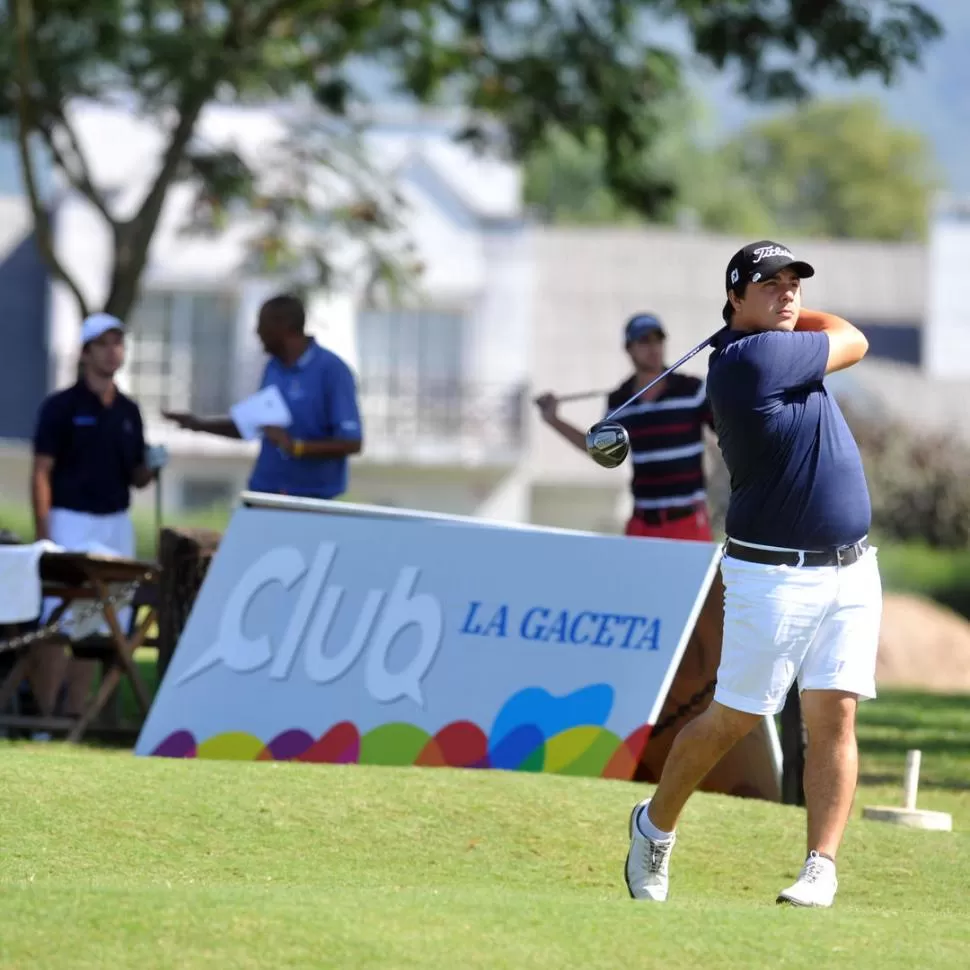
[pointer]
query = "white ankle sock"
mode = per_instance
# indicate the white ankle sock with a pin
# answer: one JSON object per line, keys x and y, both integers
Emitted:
{"x": 650, "y": 830}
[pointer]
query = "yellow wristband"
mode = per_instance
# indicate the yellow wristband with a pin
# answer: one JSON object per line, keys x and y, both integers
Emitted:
{"x": 298, "y": 448}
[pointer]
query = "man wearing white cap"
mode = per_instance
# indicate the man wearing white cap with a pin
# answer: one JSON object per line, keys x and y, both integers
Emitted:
{"x": 89, "y": 451}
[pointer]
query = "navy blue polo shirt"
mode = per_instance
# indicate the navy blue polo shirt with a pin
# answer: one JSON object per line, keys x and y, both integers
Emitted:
{"x": 322, "y": 396}
{"x": 95, "y": 449}
{"x": 797, "y": 479}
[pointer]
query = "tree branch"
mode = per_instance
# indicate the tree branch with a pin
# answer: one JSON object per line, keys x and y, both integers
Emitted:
{"x": 25, "y": 124}
{"x": 191, "y": 12}
{"x": 135, "y": 236}
{"x": 264, "y": 21}
{"x": 78, "y": 173}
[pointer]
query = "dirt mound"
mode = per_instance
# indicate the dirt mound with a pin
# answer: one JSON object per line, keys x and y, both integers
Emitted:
{"x": 923, "y": 645}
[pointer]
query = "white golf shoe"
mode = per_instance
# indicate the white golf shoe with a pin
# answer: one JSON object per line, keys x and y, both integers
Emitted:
{"x": 816, "y": 884}
{"x": 647, "y": 862}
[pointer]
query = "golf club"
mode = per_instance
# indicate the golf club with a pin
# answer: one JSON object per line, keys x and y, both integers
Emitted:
{"x": 607, "y": 441}
{"x": 158, "y": 515}
{"x": 580, "y": 396}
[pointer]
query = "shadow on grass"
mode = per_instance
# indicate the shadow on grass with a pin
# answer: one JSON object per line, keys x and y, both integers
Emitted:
{"x": 938, "y": 725}
{"x": 887, "y": 779}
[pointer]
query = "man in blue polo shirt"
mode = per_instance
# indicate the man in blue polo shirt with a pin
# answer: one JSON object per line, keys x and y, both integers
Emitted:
{"x": 309, "y": 458}
{"x": 803, "y": 598}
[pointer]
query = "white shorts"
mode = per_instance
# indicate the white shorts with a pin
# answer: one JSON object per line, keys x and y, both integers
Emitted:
{"x": 819, "y": 624}
{"x": 84, "y": 532}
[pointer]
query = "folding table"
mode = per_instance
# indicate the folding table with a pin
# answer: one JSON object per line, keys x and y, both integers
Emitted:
{"x": 84, "y": 582}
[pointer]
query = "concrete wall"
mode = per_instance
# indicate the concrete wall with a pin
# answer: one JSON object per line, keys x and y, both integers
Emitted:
{"x": 24, "y": 364}
{"x": 589, "y": 281}
{"x": 946, "y": 336}
{"x": 23, "y": 320}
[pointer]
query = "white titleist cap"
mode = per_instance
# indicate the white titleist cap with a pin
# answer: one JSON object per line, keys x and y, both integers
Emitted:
{"x": 97, "y": 324}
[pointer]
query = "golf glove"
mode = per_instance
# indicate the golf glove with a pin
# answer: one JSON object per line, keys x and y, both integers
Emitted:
{"x": 156, "y": 457}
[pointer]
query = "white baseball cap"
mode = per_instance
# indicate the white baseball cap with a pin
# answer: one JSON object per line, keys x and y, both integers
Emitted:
{"x": 97, "y": 324}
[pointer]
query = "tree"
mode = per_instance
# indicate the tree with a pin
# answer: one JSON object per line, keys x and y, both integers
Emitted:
{"x": 566, "y": 181}
{"x": 585, "y": 68}
{"x": 840, "y": 170}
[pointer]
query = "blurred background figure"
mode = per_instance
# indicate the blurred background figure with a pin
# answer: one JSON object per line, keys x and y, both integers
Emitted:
{"x": 666, "y": 428}
{"x": 310, "y": 457}
{"x": 89, "y": 452}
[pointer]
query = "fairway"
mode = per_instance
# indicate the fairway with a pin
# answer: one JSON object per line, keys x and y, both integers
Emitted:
{"x": 113, "y": 861}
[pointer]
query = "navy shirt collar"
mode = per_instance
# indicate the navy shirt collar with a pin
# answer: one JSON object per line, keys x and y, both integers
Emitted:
{"x": 728, "y": 336}
{"x": 84, "y": 395}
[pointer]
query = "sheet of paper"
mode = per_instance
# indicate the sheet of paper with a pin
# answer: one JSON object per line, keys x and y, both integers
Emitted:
{"x": 265, "y": 407}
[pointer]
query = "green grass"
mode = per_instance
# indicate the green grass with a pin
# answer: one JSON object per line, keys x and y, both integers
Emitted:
{"x": 940, "y": 574}
{"x": 112, "y": 861}
{"x": 18, "y": 519}
{"x": 936, "y": 724}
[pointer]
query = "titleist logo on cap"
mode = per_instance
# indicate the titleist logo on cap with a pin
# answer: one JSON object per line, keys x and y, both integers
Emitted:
{"x": 764, "y": 252}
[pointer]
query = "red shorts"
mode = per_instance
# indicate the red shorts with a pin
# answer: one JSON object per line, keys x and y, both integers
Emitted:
{"x": 696, "y": 526}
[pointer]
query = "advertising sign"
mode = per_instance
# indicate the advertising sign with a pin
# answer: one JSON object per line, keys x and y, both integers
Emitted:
{"x": 321, "y": 636}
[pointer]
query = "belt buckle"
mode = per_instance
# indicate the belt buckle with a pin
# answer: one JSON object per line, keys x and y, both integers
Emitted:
{"x": 842, "y": 553}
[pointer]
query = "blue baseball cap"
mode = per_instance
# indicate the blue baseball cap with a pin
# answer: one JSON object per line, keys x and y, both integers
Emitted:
{"x": 642, "y": 324}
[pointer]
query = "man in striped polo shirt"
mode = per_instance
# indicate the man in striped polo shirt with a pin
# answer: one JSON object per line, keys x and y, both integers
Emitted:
{"x": 666, "y": 428}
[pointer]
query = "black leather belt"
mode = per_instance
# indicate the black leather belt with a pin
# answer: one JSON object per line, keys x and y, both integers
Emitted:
{"x": 659, "y": 516}
{"x": 842, "y": 556}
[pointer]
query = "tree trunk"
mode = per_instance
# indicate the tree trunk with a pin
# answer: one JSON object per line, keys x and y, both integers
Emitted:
{"x": 43, "y": 232}
{"x": 135, "y": 236}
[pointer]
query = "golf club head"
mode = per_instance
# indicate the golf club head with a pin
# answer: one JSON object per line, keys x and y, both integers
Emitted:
{"x": 608, "y": 443}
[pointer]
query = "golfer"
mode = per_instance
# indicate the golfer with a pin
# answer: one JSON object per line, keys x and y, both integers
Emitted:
{"x": 310, "y": 457}
{"x": 803, "y": 596}
{"x": 666, "y": 428}
{"x": 89, "y": 452}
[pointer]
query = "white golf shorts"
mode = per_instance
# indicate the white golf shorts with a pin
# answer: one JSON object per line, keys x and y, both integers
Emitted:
{"x": 818, "y": 624}
{"x": 84, "y": 532}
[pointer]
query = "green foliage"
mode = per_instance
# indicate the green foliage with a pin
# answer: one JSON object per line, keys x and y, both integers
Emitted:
{"x": 919, "y": 481}
{"x": 564, "y": 182}
{"x": 919, "y": 484}
{"x": 823, "y": 169}
{"x": 18, "y": 520}
{"x": 942, "y": 575}
{"x": 837, "y": 170}
{"x": 588, "y": 70}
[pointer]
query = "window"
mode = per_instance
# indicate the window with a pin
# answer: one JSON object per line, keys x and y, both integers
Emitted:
{"x": 408, "y": 350}
{"x": 150, "y": 353}
{"x": 213, "y": 349}
{"x": 181, "y": 352}
{"x": 412, "y": 364}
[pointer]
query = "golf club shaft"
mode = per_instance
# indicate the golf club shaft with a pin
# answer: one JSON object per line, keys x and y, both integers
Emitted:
{"x": 158, "y": 515}
{"x": 580, "y": 396}
{"x": 660, "y": 377}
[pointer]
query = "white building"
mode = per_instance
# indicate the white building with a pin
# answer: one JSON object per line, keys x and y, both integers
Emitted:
{"x": 508, "y": 309}
{"x": 441, "y": 382}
